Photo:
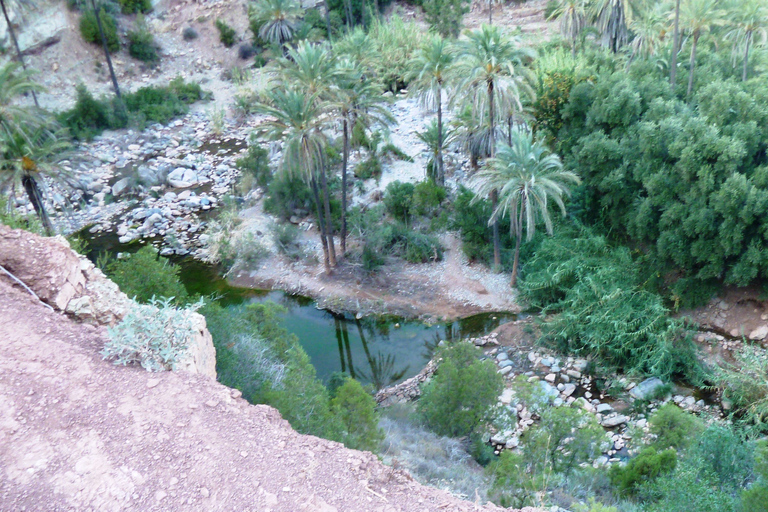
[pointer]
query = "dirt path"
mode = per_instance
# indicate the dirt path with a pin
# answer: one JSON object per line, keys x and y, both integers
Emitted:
{"x": 78, "y": 433}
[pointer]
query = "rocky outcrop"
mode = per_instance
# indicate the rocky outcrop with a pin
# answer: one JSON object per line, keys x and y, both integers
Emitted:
{"x": 70, "y": 283}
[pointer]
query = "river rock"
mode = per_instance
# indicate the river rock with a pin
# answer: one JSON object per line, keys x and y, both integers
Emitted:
{"x": 614, "y": 421}
{"x": 603, "y": 408}
{"x": 548, "y": 389}
{"x": 569, "y": 389}
{"x": 646, "y": 388}
{"x": 121, "y": 186}
{"x": 759, "y": 333}
{"x": 502, "y": 356}
{"x": 182, "y": 178}
{"x": 506, "y": 396}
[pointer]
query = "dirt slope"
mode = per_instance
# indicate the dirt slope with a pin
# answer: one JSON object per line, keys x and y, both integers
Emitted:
{"x": 77, "y": 433}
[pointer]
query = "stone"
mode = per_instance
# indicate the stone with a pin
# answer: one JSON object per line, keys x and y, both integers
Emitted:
{"x": 505, "y": 364}
{"x": 506, "y": 370}
{"x": 614, "y": 421}
{"x": 121, "y": 186}
{"x": 574, "y": 374}
{"x": 548, "y": 389}
{"x": 512, "y": 443}
{"x": 689, "y": 401}
{"x": 547, "y": 361}
{"x": 502, "y": 356}
{"x": 645, "y": 389}
{"x": 550, "y": 378}
{"x": 760, "y": 333}
{"x": 182, "y": 178}
{"x": 603, "y": 408}
{"x": 506, "y": 396}
{"x": 569, "y": 389}
{"x": 641, "y": 423}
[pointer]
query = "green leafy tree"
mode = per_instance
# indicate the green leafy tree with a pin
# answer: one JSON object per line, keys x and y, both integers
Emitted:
{"x": 527, "y": 176}
{"x": 645, "y": 467}
{"x": 487, "y": 60}
{"x": 445, "y": 16}
{"x": 437, "y": 143}
{"x": 297, "y": 119}
{"x": 146, "y": 274}
{"x": 356, "y": 410}
{"x": 432, "y": 69}
{"x": 462, "y": 393}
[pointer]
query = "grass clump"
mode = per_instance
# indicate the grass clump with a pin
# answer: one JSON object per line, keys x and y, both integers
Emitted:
{"x": 226, "y": 33}
{"x": 189, "y": 34}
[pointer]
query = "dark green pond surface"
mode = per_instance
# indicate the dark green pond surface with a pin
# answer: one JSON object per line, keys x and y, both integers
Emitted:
{"x": 376, "y": 350}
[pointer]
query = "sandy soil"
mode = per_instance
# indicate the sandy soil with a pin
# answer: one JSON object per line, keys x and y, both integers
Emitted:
{"x": 78, "y": 433}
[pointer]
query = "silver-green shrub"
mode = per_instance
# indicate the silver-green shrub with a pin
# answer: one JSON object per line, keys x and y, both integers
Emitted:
{"x": 154, "y": 335}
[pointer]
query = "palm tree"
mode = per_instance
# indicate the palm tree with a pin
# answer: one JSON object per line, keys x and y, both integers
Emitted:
{"x": 431, "y": 74}
{"x": 277, "y": 20}
{"x": 612, "y": 18}
{"x": 698, "y": 17}
{"x": 527, "y": 175}
{"x": 29, "y": 142}
{"x": 486, "y": 61}
{"x": 354, "y": 100}
{"x": 296, "y": 119}
{"x": 675, "y": 46}
{"x": 19, "y": 55}
{"x": 310, "y": 67}
{"x": 436, "y": 144}
{"x": 750, "y": 19}
{"x": 573, "y": 16}
{"x": 649, "y": 30}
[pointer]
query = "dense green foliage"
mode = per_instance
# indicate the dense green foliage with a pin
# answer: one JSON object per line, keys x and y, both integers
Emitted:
{"x": 89, "y": 117}
{"x": 356, "y": 409}
{"x": 255, "y": 169}
{"x": 89, "y": 29}
{"x": 445, "y": 16}
{"x": 134, "y": 6}
{"x": 645, "y": 467}
{"x": 685, "y": 180}
{"x": 673, "y": 427}
{"x": 604, "y": 311}
{"x": 145, "y": 275}
{"x": 460, "y": 395}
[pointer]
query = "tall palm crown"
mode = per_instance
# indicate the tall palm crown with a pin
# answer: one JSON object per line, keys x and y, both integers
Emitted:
{"x": 650, "y": 29}
{"x": 612, "y": 19}
{"x": 698, "y": 17}
{"x": 750, "y": 29}
{"x": 432, "y": 72}
{"x": 527, "y": 176}
{"x": 277, "y": 19}
{"x": 573, "y": 15}
{"x": 310, "y": 67}
{"x": 30, "y": 141}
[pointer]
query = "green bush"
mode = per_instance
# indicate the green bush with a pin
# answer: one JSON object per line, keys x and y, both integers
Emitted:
{"x": 445, "y": 16}
{"x": 398, "y": 198}
{"x": 154, "y": 335}
{"x": 88, "y": 117}
{"x": 286, "y": 238}
{"x": 226, "y": 33}
{"x": 89, "y": 29}
{"x": 645, "y": 467}
{"x": 134, "y": 6}
{"x": 356, "y": 410}
{"x": 146, "y": 275}
{"x": 745, "y": 383}
{"x": 255, "y": 164}
{"x": 427, "y": 197}
{"x": 161, "y": 104}
{"x": 368, "y": 168}
{"x": 395, "y": 239}
{"x": 674, "y": 427}
{"x": 141, "y": 44}
{"x": 10, "y": 217}
{"x": 286, "y": 194}
{"x": 461, "y": 395}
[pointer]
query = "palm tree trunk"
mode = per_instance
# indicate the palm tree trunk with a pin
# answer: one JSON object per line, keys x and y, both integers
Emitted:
{"x": 440, "y": 168}
{"x": 328, "y": 220}
{"x": 36, "y": 198}
{"x": 746, "y": 57}
{"x": 321, "y": 224}
{"x": 494, "y": 193}
{"x": 106, "y": 51}
{"x": 519, "y": 231}
{"x": 490, "y": 12}
{"x": 328, "y": 21}
{"x": 16, "y": 45}
{"x": 675, "y": 44}
{"x": 339, "y": 341}
{"x": 344, "y": 161}
{"x": 693, "y": 64}
{"x": 348, "y": 12}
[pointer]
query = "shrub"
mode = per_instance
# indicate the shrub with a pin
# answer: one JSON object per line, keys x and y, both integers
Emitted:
{"x": 247, "y": 50}
{"x": 88, "y": 117}
{"x": 726, "y": 455}
{"x": 462, "y": 393}
{"x": 398, "y": 198}
{"x": 745, "y": 384}
{"x": 395, "y": 239}
{"x": 286, "y": 194}
{"x": 134, "y": 6}
{"x": 89, "y": 29}
{"x": 356, "y": 410}
{"x": 146, "y": 275}
{"x": 11, "y": 217}
{"x": 161, "y": 104}
{"x": 513, "y": 485}
{"x": 226, "y": 33}
{"x": 141, "y": 43}
{"x": 445, "y": 16}
{"x": 427, "y": 197}
{"x": 285, "y": 237}
{"x": 255, "y": 164}
{"x": 645, "y": 467}
{"x": 189, "y": 34}
{"x": 674, "y": 427}
{"x": 155, "y": 335}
